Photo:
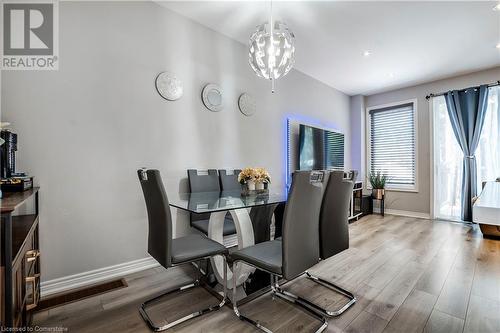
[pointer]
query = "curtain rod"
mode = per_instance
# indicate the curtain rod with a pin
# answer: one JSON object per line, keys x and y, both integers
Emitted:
{"x": 497, "y": 83}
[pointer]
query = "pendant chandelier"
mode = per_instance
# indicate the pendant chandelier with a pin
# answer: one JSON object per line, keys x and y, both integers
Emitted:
{"x": 271, "y": 50}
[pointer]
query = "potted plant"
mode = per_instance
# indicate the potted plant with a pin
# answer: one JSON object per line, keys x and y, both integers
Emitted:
{"x": 262, "y": 177}
{"x": 378, "y": 181}
{"x": 247, "y": 177}
{"x": 254, "y": 180}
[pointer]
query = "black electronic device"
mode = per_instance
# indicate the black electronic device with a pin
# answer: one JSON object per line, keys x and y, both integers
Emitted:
{"x": 8, "y": 154}
{"x": 10, "y": 179}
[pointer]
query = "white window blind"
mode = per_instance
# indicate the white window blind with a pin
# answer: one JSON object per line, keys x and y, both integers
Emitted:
{"x": 334, "y": 150}
{"x": 392, "y": 144}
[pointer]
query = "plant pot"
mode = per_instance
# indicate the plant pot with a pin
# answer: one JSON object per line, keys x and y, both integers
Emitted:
{"x": 250, "y": 185}
{"x": 259, "y": 185}
{"x": 378, "y": 193}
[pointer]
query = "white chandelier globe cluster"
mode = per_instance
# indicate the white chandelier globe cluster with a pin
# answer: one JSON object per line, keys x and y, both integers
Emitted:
{"x": 271, "y": 52}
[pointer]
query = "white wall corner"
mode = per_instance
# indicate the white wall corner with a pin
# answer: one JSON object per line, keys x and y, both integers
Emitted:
{"x": 66, "y": 283}
{"x": 357, "y": 125}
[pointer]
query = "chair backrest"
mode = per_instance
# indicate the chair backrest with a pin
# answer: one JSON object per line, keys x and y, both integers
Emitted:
{"x": 159, "y": 216}
{"x": 352, "y": 175}
{"x": 334, "y": 224}
{"x": 199, "y": 182}
{"x": 301, "y": 222}
{"x": 229, "y": 182}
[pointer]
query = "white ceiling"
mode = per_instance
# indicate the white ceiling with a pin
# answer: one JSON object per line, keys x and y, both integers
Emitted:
{"x": 411, "y": 42}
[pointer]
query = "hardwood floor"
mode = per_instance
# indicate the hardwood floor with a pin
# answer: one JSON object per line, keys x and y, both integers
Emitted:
{"x": 410, "y": 275}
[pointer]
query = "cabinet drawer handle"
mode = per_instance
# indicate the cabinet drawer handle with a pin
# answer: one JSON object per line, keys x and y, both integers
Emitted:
{"x": 31, "y": 255}
{"x": 33, "y": 280}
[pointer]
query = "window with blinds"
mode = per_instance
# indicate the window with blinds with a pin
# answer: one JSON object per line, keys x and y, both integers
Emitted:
{"x": 334, "y": 150}
{"x": 393, "y": 144}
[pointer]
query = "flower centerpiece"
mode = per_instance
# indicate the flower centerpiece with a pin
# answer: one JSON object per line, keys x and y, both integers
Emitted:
{"x": 246, "y": 177}
{"x": 254, "y": 179}
{"x": 261, "y": 178}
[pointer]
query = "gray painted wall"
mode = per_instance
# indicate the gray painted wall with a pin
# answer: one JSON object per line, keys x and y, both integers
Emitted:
{"x": 420, "y": 202}
{"x": 85, "y": 129}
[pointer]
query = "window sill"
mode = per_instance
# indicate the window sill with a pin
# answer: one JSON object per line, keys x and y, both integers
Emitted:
{"x": 411, "y": 190}
{"x": 397, "y": 189}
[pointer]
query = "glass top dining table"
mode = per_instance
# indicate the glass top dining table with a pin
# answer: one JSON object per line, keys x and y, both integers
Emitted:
{"x": 210, "y": 202}
{"x": 217, "y": 205}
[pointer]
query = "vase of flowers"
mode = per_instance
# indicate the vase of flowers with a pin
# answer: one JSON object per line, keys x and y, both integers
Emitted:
{"x": 254, "y": 180}
{"x": 251, "y": 185}
{"x": 378, "y": 181}
{"x": 247, "y": 179}
{"x": 261, "y": 178}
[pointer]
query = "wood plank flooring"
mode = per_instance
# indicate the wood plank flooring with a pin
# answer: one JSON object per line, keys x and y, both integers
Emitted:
{"x": 409, "y": 275}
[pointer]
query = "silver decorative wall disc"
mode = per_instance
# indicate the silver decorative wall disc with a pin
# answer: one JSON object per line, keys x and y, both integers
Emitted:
{"x": 169, "y": 86}
{"x": 247, "y": 104}
{"x": 212, "y": 97}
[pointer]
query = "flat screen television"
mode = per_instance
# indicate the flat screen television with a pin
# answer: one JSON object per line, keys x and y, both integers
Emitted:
{"x": 320, "y": 149}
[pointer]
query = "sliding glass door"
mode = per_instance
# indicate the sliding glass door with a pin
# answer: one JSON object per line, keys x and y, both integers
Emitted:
{"x": 447, "y": 164}
{"x": 488, "y": 153}
{"x": 448, "y": 156}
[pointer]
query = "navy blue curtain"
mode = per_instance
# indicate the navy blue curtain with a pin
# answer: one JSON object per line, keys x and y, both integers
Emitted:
{"x": 467, "y": 109}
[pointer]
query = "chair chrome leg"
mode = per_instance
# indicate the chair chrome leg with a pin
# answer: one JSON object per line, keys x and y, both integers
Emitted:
{"x": 333, "y": 287}
{"x": 154, "y": 327}
{"x": 276, "y": 291}
{"x": 316, "y": 308}
{"x": 240, "y": 315}
{"x": 311, "y": 308}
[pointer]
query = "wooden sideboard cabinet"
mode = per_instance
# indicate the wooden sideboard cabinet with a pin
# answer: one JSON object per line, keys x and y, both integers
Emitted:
{"x": 20, "y": 258}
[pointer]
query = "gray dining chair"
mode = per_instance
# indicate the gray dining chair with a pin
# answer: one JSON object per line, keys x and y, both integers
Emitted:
{"x": 298, "y": 250}
{"x": 171, "y": 252}
{"x": 206, "y": 182}
{"x": 229, "y": 180}
{"x": 334, "y": 232}
{"x": 333, "y": 236}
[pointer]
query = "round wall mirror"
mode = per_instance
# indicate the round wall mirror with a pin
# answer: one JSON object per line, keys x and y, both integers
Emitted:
{"x": 212, "y": 97}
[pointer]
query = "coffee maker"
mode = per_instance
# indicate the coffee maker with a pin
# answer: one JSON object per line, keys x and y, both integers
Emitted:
{"x": 10, "y": 180}
{"x": 8, "y": 154}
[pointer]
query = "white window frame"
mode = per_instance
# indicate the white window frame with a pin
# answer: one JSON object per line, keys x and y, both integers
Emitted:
{"x": 400, "y": 188}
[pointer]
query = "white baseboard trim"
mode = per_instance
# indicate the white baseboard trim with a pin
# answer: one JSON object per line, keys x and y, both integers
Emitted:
{"x": 408, "y": 213}
{"x": 79, "y": 280}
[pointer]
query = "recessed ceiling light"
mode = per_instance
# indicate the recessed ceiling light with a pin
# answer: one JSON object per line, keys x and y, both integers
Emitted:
{"x": 391, "y": 75}
{"x": 498, "y": 46}
{"x": 367, "y": 53}
{"x": 497, "y": 7}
